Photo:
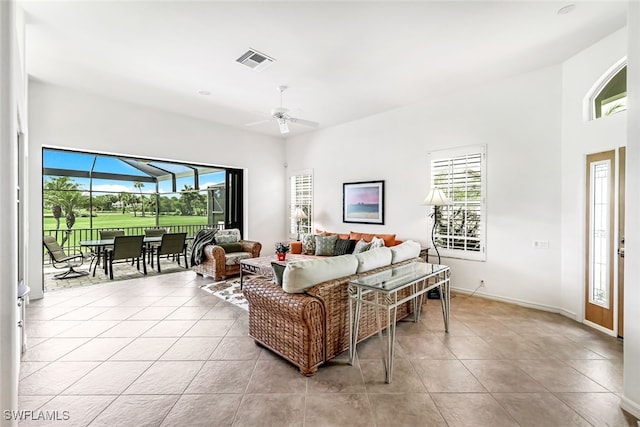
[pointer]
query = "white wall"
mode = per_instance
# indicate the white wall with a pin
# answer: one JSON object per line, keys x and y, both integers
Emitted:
{"x": 518, "y": 119}
{"x": 579, "y": 138}
{"x": 64, "y": 118}
{"x": 631, "y": 392}
{"x": 12, "y": 111}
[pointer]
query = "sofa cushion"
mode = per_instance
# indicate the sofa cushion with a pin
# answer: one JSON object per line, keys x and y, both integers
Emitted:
{"x": 308, "y": 244}
{"x": 325, "y": 245}
{"x": 301, "y": 275}
{"x": 344, "y": 246}
{"x": 235, "y": 257}
{"x": 373, "y": 258}
{"x": 361, "y": 246}
{"x": 405, "y": 251}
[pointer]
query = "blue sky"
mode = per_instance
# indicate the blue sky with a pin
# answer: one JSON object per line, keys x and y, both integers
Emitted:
{"x": 80, "y": 161}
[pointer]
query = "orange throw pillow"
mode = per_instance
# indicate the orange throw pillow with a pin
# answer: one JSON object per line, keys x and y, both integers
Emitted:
{"x": 389, "y": 239}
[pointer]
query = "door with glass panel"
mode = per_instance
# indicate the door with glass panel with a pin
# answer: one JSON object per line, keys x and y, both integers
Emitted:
{"x": 603, "y": 240}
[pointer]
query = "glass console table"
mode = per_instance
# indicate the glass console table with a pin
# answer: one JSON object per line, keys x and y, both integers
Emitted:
{"x": 381, "y": 291}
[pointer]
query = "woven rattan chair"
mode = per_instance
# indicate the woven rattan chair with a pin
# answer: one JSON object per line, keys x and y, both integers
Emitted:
{"x": 125, "y": 247}
{"x": 171, "y": 244}
{"x": 60, "y": 259}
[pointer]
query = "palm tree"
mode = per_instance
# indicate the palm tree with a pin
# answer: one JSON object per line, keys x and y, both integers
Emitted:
{"x": 60, "y": 194}
{"x": 139, "y": 186}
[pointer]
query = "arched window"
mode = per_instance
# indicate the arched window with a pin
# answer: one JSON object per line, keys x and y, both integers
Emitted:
{"x": 609, "y": 94}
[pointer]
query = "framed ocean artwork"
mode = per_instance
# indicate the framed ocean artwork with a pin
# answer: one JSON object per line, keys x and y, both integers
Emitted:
{"x": 363, "y": 202}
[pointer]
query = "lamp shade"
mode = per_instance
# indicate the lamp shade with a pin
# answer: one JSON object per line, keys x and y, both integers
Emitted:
{"x": 300, "y": 214}
{"x": 436, "y": 198}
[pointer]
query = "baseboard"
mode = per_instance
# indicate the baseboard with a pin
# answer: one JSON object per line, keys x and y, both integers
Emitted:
{"x": 571, "y": 315}
{"x": 631, "y": 407}
{"x": 600, "y": 328}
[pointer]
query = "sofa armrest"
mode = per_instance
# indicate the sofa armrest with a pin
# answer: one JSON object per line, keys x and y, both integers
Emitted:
{"x": 262, "y": 293}
{"x": 292, "y": 325}
{"x": 252, "y": 247}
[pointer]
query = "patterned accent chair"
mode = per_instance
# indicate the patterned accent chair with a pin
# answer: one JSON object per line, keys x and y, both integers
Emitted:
{"x": 220, "y": 261}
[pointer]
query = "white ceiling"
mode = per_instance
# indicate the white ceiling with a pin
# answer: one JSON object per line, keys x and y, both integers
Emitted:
{"x": 342, "y": 60}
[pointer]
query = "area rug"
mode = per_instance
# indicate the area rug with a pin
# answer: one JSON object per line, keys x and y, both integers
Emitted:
{"x": 228, "y": 290}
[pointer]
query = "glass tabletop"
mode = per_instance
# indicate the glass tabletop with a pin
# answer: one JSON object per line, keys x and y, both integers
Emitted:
{"x": 397, "y": 277}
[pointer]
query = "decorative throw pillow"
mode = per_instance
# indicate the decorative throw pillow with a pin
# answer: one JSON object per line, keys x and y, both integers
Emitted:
{"x": 325, "y": 245}
{"x": 308, "y": 244}
{"x": 344, "y": 246}
{"x": 361, "y": 246}
{"x": 376, "y": 243}
{"x": 231, "y": 247}
{"x": 278, "y": 271}
{"x": 225, "y": 238}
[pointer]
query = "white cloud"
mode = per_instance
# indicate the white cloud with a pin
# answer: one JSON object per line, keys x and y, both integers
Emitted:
{"x": 112, "y": 188}
{"x": 119, "y": 188}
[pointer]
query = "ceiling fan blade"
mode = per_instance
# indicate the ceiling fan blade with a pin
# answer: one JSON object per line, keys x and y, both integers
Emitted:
{"x": 304, "y": 122}
{"x": 259, "y": 122}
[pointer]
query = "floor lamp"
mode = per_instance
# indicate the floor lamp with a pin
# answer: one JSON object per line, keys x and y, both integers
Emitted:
{"x": 300, "y": 215}
{"x": 435, "y": 198}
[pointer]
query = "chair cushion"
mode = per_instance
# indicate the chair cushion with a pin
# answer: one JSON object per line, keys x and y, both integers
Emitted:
{"x": 405, "y": 251}
{"x": 231, "y": 235}
{"x": 235, "y": 257}
{"x": 301, "y": 275}
{"x": 231, "y": 247}
{"x": 374, "y": 258}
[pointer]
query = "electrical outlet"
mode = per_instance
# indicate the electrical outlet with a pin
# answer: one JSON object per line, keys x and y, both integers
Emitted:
{"x": 541, "y": 244}
{"x": 482, "y": 283}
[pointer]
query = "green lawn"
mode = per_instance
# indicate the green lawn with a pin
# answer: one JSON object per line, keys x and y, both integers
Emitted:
{"x": 119, "y": 220}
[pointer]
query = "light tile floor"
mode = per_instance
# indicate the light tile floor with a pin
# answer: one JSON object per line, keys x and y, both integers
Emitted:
{"x": 159, "y": 351}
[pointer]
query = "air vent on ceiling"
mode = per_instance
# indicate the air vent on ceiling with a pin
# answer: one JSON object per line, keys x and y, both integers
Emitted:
{"x": 255, "y": 60}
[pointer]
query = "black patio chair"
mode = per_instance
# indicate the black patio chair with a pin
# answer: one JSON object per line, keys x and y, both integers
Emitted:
{"x": 99, "y": 253}
{"x": 153, "y": 232}
{"x": 125, "y": 247}
{"x": 171, "y": 244}
{"x": 60, "y": 259}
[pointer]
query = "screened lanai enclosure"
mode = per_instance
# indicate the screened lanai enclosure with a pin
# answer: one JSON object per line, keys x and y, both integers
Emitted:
{"x": 84, "y": 193}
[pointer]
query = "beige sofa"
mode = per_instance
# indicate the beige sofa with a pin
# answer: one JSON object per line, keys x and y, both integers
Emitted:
{"x": 306, "y": 320}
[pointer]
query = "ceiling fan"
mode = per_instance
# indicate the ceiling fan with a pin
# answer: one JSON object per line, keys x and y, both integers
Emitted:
{"x": 281, "y": 116}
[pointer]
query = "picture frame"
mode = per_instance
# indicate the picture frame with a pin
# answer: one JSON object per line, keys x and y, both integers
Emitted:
{"x": 363, "y": 202}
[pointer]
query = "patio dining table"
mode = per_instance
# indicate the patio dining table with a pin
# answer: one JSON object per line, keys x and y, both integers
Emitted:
{"x": 99, "y": 246}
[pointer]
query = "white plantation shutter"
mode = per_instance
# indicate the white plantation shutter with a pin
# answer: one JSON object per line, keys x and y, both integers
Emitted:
{"x": 301, "y": 187}
{"x": 461, "y": 228}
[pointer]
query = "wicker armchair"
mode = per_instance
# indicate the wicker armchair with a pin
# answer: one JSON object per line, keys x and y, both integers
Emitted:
{"x": 217, "y": 263}
{"x": 311, "y": 328}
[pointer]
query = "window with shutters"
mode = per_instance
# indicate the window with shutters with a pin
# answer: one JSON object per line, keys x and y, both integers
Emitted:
{"x": 301, "y": 187}
{"x": 461, "y": 228}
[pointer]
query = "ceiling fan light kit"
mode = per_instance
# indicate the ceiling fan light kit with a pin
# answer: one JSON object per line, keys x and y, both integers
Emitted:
{"x": 282, "y": 117}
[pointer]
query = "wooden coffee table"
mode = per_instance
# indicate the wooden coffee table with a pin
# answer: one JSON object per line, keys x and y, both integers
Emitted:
{"x": 262, "y": 265}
